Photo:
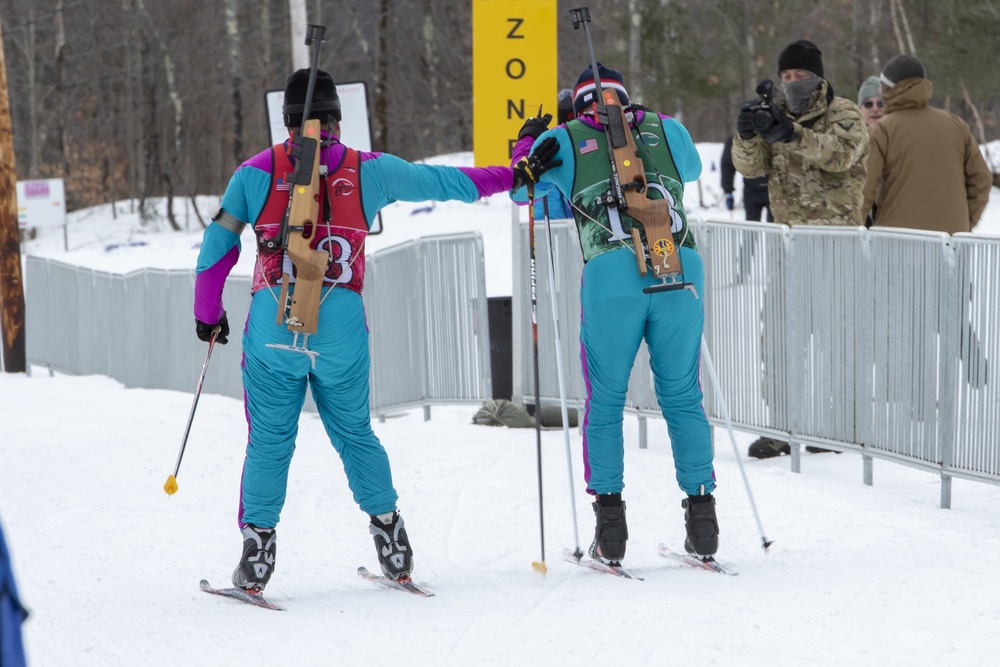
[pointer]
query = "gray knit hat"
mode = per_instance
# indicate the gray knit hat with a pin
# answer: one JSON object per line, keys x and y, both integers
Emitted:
{"x": 902, "y": 67}
{"x": 869, "y": 89}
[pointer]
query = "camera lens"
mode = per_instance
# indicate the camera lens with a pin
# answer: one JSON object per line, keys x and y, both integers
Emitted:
{"x": 762, "y": 119}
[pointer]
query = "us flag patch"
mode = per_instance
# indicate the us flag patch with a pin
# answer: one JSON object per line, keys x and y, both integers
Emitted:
{"x": 282, "y": 185}
{"x": 587, "y": 146}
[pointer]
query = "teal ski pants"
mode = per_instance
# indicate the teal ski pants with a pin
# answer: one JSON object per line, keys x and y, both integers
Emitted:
{"x": 274, "y": 384}
{"x": 615, "y": 317}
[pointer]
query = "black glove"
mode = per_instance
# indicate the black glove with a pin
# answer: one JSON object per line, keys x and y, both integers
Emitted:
{"x": 533, "y": 127}
{"x": 782, "y": 130}
{"x": 729, "y": 201}
{"x": 204, "y": 331}
{"x": 744, "y": 120}
{"x": 529, "y": 169}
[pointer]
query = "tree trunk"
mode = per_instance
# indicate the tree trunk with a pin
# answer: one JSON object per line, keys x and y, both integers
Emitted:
{"x": 906, "y": 28}
{"x": 634, "y": 49}
{"x": 235, "y": 78}
{"x": 169, "y": 170}
{"x": 901, "y": 27}
{"x": 874, "y": 14}
{"x": 430, "y": 58}
{"x": 298, "y": 20}
{"x": 980, "y": 130}
{"x": 36, "y": 138}
{"x": 61, "y": 87}
{"x": 381, "y": 80}
{"x": 11, "y": 285}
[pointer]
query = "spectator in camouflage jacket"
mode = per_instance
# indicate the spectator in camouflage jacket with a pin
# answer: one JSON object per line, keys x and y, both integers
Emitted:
{"x": 813, "y": 153}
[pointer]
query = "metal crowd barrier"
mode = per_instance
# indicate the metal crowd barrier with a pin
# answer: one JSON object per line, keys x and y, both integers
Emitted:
{"x": 425, "y": 303}
{"x": 878, "y": 341}
{"x": 884, "y": 342}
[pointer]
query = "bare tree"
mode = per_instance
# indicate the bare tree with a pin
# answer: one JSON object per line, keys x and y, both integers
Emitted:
{"x": 635, "y": 47}
{"x": 433, "y": 75}
{"x": 382, "y": 77}
{"x": 168, "y": 172}
{"x": 901, "y": 27}
{"x": 235, "y": 77}
{"x": 12, "y": 343}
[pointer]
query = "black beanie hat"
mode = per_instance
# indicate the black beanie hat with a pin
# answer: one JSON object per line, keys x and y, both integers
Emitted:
{"x": 565, "y": 108}
{"x": 325, "y": 102}
{"x": 902, "y": 67}
{"x": 583, "y": 91}
{"x": 801, "y": 54}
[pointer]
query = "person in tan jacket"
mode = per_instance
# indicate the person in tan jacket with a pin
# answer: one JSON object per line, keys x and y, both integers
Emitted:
{"x": 925, "y": 170}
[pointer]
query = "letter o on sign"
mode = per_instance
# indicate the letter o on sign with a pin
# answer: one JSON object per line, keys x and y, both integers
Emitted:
{"x": 515, "y": 65}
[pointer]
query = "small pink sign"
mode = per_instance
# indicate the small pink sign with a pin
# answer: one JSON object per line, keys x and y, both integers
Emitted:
{"x": 36, "y": 189}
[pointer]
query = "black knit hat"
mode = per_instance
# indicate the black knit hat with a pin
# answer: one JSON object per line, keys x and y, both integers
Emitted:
{"x": 325, "y": 103}
{"x": 902, "y": 67}
{"x": 583, "y": 91}
{"x": 801, "y": 54}
{"x": 565, "y": 108}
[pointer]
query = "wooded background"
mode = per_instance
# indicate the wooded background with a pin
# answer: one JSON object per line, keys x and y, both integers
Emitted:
{"x": 141, "y": 98}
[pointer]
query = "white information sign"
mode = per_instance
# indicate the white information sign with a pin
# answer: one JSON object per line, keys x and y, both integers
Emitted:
{"x": 41, "y": 203}
{"x": 355, "y": 130}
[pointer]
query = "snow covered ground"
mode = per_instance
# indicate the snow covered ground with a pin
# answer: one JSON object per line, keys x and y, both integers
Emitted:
{"x": 109, "y": 564}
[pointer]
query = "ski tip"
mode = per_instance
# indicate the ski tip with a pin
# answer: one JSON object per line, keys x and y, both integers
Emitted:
{"x": 540, "y": 567}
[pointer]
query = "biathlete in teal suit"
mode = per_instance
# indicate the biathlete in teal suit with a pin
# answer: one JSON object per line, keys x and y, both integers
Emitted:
{"x": 353, "y": 189}
{"x": 617, "y": 315}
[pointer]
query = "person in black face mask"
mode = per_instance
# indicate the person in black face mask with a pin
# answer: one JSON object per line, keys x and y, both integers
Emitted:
{"x": 812, "y": 147}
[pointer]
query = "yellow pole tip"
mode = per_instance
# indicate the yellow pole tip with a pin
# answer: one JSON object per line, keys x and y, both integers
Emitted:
{"x": 540, "y": 567}
{"x": 170, "y": 486}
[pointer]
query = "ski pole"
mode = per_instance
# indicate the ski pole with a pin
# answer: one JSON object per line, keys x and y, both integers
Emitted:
{"x": 578, "y": 553}
{"x": 707, "y": 358}
{"x": 539, "y": 566}
{"x": 170, "y": 486}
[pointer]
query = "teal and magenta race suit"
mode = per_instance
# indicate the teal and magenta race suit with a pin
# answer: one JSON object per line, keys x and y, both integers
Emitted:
{"x": 357, "y": 185}
{"x": 616, "y": 316}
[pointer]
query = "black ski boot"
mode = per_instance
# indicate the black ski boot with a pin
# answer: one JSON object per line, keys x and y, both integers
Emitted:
{"x": 702, "y": 526}
{"x": 257, "y": 561}
{"x": 392, "y": 545}
{"x": 611, "y": 533}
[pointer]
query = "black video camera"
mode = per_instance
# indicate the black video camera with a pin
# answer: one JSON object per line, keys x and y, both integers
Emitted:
{"x": 762, "y": 116}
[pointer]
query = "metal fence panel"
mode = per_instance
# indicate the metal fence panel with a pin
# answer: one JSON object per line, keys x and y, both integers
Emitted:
{"x": 456, "y": 319}
{"x": 568, "y": 261}
{"x": 394, "y": 307}
{"x": 828, "y": 285}
{"x": 428, "y": 318}
{"x": 977, "y": 442}
{"x": 907, "y": 286}
{"x": 745, "y": 318}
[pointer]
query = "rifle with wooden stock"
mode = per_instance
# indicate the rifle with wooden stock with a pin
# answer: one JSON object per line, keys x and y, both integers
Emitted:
{"x": 628, "y": 181}
{"x": 300, "y": 223}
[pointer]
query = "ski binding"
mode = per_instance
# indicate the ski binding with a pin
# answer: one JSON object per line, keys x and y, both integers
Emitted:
{"x": 616, "y": 570}
{"x": 404, "y": 584}
{"x": 709, "y": 563}
{"x": 241, "y": 594}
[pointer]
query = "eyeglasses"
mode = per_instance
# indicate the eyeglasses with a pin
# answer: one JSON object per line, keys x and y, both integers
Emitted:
{"x": 868, "y": 104}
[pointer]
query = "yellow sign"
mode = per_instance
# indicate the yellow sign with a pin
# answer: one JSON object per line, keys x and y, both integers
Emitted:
{"x": 513, "y": 72}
